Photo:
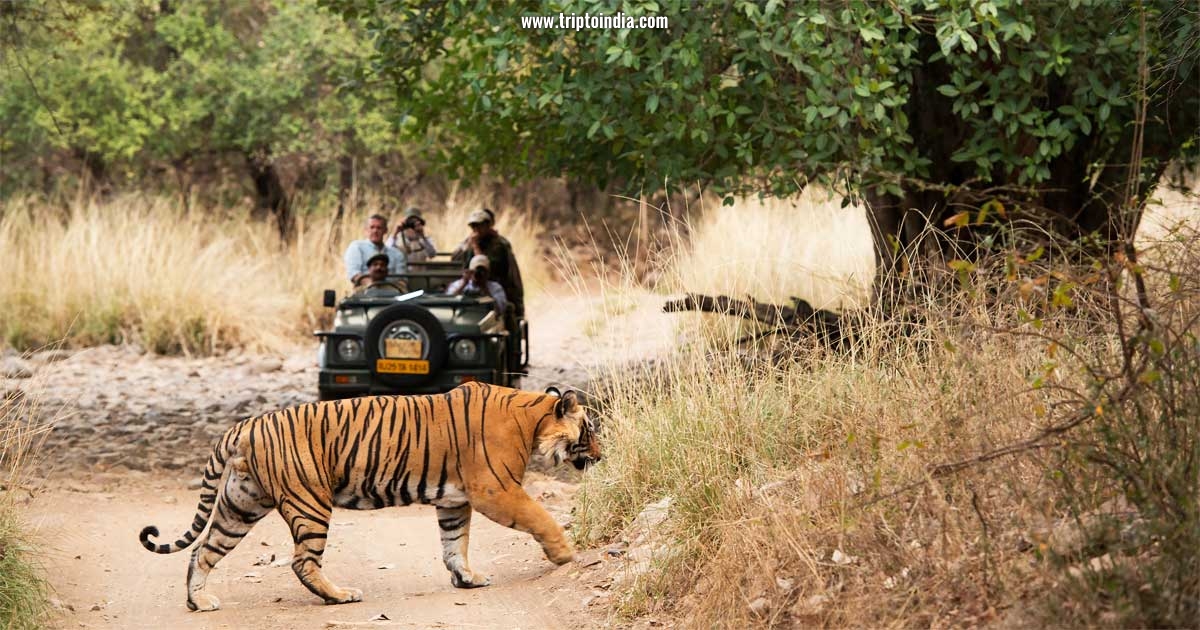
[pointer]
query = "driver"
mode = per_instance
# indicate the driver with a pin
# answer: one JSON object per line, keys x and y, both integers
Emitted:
{"x": 377, "y": 275}
{"x": 475, "y": 281}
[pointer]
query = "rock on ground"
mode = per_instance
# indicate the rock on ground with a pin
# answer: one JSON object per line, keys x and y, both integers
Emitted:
{"x": 114, "y": 407}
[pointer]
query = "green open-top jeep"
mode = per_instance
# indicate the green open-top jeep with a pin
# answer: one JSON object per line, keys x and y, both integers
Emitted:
{"x": 409, "y": 337}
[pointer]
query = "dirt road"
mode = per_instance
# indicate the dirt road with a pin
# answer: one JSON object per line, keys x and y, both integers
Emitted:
{"x": 104, "y": 579}
{"x": 132, "y": 433}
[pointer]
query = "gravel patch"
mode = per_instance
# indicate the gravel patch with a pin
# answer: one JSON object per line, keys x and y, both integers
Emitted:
{"x": 117, "y": 408}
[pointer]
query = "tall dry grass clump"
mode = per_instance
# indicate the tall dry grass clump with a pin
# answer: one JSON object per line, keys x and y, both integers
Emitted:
{"x": 23, "y": 589}
{"x": 808, "y": 247}
{"x": 769, "y": 467}
{"x": 201, "y": 280}
{"x": 139, "y": 269}
{"x": 858, "y": 488}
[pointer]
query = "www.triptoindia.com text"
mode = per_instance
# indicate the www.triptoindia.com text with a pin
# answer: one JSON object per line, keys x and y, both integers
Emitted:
{"x": 587, "y": 21}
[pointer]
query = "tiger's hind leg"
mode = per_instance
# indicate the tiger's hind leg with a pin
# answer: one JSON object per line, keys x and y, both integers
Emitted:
{"x": 309, "y": 522}
{"x": 242, "y": 504}
{"x": 455, "y": 525}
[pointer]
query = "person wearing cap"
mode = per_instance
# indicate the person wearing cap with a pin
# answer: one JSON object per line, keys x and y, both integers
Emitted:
{"x": 360, "y": 251}
{"x": 410, "y": 237}
{"x": 502, "y": 264}
{"x": 475, "y": 279}
{"x": 377, "y": 275}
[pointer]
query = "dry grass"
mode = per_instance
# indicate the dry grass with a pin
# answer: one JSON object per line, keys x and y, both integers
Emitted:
{"x": 144, "y": 270}
{"x": 776, "y": 470}
{"x": 773, "y": 249}
{"x": 23, "y": 590}
{"x": 768, "y": 466}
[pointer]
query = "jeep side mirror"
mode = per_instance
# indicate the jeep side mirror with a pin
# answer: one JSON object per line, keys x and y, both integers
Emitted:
{"x": 330, "y": 298}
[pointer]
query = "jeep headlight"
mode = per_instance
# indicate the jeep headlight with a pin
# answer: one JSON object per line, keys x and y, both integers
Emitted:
{"x": 465, "y": 349}
{"x": 349, "y": 350}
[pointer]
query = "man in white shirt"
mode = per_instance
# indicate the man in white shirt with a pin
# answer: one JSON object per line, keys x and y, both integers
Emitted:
{"x": 362, "y": 250}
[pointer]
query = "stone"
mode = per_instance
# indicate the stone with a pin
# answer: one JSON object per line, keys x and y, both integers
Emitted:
{"x": 650, "y": 518}
{"x": 760, "y": 607}
{"x": 51, "y": 356}
{"x": 1067, "y": 537}
{"x": 15, "y": 367}
{"x": 298, "y": 364}
{"x": 266, "y": 367}
{"x": 816, "y": 602}
{"x": 841, "y": 558}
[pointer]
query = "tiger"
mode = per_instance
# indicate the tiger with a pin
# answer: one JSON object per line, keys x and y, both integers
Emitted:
{"x": 462, "y": 451}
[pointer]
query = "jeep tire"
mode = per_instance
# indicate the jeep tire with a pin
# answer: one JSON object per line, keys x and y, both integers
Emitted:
{"x": 435, "y": 352}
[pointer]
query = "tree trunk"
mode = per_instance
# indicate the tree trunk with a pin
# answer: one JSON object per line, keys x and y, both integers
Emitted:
{"x": 1079, "y": 199}
{"x": 95, "y": 179}
{"x": 345, "y": 186}
{"x": 271, "y": 198}
{"x": 798, "y": 319}
{"x": 183, "y": 179}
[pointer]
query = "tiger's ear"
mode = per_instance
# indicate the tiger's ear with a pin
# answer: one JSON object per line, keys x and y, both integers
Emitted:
{"x": 554, "y": 390}
{"x": 566, "y": 404}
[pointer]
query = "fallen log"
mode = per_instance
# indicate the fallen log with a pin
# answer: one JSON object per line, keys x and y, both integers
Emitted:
{"x": 798, "y": 319}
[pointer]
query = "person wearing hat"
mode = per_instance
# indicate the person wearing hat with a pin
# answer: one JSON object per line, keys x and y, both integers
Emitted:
{"x": 475, "y": 279}
{"x": 410, "y": 237}
{"x": 502, "y": 264}
{"x": 362, "y": 250}
{"x": 377, "y": 275}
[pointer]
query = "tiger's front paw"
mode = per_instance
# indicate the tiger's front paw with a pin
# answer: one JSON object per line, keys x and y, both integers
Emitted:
{"x": 561, "y": 554}
{"x": 345, "y": 596}
{"x": 203, "y": 602}
{"x": 468, "y": 579}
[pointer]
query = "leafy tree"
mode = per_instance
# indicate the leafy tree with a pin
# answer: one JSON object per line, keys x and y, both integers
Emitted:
{"x": 932, "y": 105}
{"x": 131, "y": 86}
{"x": 69, "y": 86}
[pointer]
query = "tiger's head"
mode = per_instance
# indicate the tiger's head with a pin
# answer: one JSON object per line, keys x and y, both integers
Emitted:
{"x": 572, "y": 436}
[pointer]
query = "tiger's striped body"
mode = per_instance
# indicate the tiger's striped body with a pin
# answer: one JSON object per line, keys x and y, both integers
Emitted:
{"x": 462, "y": 451}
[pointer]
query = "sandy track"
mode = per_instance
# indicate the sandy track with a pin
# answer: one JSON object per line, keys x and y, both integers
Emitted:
{"x": 103, "y": 578}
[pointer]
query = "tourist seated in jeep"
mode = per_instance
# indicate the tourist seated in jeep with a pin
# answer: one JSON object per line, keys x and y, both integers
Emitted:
{"x": 486, "y": 241}
{"x": 475, "y": 280}
{"x": 362, "y": 250}
{"x": 377, "y": 276}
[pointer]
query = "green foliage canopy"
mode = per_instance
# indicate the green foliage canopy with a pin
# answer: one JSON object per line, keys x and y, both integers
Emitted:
{"x": 134, "y": 84}
{"x": 763, "y": 96}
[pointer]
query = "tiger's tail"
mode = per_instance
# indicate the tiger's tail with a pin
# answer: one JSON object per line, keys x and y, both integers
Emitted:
{"x": 224, "y": 449}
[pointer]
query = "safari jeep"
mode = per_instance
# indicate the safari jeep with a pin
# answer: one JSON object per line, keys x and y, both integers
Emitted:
{"x": 409, "y": 337}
